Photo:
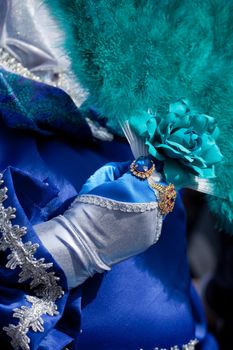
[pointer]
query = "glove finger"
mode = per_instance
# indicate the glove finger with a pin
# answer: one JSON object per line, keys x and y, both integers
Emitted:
{"x": 126, "y": 188}
{"x": 108, "y": 173}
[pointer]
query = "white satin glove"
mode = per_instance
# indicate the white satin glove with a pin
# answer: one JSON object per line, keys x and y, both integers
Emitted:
{"x": 115, "y": 217}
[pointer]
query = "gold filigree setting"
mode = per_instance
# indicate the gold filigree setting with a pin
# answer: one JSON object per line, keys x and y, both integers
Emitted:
{"x": 167, "y": 196}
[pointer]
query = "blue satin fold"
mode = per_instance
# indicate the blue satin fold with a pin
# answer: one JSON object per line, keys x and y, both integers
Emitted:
{"x": 143, "y": 302}
{"x": 146, "y": 298}
{"x": 127, "y": 188}
{"x": 12, "y": 294}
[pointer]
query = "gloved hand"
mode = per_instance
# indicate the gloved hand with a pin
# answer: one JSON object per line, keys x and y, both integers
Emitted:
{"x": 115, "y": 217}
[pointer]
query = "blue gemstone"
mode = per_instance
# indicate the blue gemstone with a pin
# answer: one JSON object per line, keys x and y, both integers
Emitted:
{"x": 143, "y": 164}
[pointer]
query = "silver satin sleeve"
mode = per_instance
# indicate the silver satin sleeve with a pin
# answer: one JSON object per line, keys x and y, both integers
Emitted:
{"x": 90, "y": 238}
{"x": 31, "y": 45}
{"x": 21, "y": 36}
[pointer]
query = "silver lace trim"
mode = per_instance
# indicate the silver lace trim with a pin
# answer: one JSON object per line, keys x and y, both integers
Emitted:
{"x": 190, "y": 346}
{"x": 46, "y": 283}
{"x": 116, "y": 205}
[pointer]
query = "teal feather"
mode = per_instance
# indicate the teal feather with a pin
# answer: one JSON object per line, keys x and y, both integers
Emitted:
{"x": 133, "y": 55}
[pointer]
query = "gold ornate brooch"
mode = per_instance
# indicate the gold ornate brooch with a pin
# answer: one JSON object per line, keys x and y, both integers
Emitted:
{"x": 143, "y": 168}
{"x": 167, "y": 196}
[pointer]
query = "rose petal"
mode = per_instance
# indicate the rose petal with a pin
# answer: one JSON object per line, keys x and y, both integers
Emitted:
{"x": 209, "y": 173}
{"x": 152, "y": 150}
{"x": 184, "y": 137}
{"x": 190, "y": 167}
{"x": 176, "y": 173}
{"x": 182, "y": 123}
{"x": 185, "y": 140}
{"x": 207, "y": 142}
{"x": 199, "y": 123}
{"x": 163, "y": 125}
{"x": 169, "y": 151}
{"x": 212, "y": 155}
{"x": 151, "y": 126}
{"x": 198, "y": 161}
{"x": 215, "y": 133}
{"x": 178, "y": 147}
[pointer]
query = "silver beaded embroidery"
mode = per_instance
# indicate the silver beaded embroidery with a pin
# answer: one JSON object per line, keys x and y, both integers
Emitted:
{"x": 190, "y": 346}
{"x": 117, "y": 205}
{"x": 46, "y": 283}
{"x": 9, "y": 62}
{"x": 63, "y": 80}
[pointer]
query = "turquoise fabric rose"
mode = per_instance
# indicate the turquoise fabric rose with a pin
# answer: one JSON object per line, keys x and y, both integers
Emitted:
{"x": 185, "y": 141}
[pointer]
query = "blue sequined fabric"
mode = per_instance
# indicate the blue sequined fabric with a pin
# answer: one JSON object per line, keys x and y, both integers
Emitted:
{"x": 26, "y": 104}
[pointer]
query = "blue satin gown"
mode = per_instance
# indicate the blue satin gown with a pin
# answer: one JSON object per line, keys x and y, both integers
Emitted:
{"x": 145, "y": 302}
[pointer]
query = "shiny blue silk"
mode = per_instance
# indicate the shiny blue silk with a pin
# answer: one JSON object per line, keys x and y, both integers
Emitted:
{"x": 143, "y": 302}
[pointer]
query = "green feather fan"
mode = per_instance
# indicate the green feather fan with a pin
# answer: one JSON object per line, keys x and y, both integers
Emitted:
{"x": 135, "y": 55}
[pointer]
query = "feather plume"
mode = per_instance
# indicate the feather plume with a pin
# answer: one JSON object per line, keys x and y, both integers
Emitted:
{"x": 137, "y": 144}
{"x": 137, "y": 54}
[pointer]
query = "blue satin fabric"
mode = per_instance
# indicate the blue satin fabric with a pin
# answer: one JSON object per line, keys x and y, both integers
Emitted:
{"x": 127, "y": 188}
{"x": 12, "y": 294}
{"x": 144, "y": 302}
{"x": 29, "y": 105}
{"x": 147, "y": 299}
